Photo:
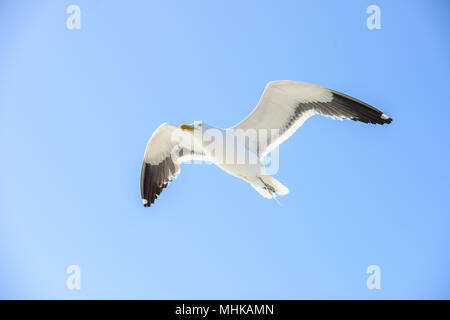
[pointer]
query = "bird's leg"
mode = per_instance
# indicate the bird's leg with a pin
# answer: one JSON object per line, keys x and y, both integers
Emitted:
{"x": 267, "y": 186}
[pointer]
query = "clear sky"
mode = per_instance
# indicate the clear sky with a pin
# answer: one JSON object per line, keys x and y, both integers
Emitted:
{"x": 78, "y": 106}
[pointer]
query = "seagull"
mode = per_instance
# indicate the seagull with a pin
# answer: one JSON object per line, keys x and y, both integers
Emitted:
{"x": 283, "y": 108}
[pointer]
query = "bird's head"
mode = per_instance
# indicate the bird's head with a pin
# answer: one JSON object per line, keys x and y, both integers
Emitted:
{"x": 193, "y": 127}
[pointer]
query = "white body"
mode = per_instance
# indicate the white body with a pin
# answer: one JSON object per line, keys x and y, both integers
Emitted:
{"x": 251, "y": 170}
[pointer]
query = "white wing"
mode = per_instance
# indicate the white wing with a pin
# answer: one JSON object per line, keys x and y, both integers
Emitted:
{"x": 286, "y": 105}
{"x": 167, "y": 148}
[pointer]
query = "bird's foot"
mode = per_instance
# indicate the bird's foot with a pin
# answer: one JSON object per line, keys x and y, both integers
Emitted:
{"x": 268, "y": 187}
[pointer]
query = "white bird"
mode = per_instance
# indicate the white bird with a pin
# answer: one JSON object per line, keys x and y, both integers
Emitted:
{"x": 283, "y": 107}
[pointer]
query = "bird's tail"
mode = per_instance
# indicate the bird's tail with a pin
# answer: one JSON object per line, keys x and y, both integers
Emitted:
{"x": 269, "y": 187}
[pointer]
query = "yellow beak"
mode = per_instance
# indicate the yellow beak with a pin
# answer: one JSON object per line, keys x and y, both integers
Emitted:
{"x": 186, "y": 127}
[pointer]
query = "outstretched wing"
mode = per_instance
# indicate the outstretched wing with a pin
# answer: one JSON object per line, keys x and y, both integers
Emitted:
{"x": 167, "y": 148}
{"x": 286, "y": 105}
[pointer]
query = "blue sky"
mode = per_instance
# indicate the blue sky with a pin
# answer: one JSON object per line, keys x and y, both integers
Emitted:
{"x": 78, "y": 106}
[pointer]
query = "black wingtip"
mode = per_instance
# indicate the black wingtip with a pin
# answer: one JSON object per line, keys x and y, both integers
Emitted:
{"x": 146, "y": 203}
{"x": 146, "y": 179}
{"x": 385, "y": 119}
{"x": 154, "y": 179}
{"x": 359, "y": 110}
